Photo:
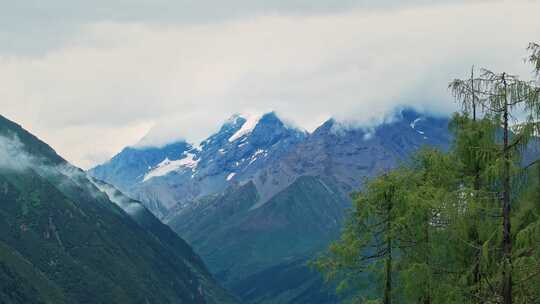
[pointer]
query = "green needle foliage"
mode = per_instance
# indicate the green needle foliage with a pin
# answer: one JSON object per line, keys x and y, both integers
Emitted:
{"x": 534, "y": 58}
{"x": 369, "y": 241}
{"x": 502, "y": 97}
{"x": 456, "y": 227}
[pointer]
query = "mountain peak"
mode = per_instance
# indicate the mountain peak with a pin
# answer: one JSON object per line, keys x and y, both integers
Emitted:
{"x": 409, "y": 114}
{"x": 401, "y": 114}
{"x": 250, "y": 122}
{"x": 270, "y": 116}
{"x": 234, "y": 120}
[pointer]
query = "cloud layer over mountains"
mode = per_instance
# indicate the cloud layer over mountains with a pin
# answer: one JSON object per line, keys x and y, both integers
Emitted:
{"x": 117, "y": 76}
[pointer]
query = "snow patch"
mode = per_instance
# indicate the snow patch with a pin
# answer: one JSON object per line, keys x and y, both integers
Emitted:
{"x": 197, "y": 148}
{"x": 167, "y": 166}
{"x": 230, "y": 176}
{"x": 247, "y": 127}
{"x": 370, "y": 133}
{"x": 260, "y": 151}
{"x": 413, "y": 124}
{"x": 255, "y": 155}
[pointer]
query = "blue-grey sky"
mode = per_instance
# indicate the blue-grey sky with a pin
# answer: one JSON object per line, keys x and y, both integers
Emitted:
{"x": 90, "y": 77}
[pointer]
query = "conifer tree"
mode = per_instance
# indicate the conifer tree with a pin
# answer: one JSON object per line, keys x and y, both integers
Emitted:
{"x": 527, "y": 246}
{"x": 395, "y": 232}
{"x": 428, "y": 199}
{"x": 474, "y": 149}
{"x": 456, "y": 227}
{"x": 502, "y": 97}
{"x": 370, "y": 239}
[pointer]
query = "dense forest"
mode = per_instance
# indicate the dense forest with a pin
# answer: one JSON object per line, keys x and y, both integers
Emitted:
{"x": 459, "y": 226}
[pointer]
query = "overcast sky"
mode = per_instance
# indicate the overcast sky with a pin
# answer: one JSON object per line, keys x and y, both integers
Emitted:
{"x": 91, "y": 77}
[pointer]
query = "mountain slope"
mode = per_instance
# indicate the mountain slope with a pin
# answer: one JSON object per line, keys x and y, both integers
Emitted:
{"x": 296, "y": 206}
{"x": 295, "y": 222}
{"x": 350, "y": 154}
{"x": 63, "y": 240}
{"x": 239, "y": 242}
{"x": 268, "y": 198}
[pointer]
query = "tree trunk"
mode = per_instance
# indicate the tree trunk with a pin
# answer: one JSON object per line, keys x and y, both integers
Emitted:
{"x": 473, "y": 94}
{"x": 427, "y": 299}
{"x": 477, "y": 274}
{"x": 388, "y": 275}
{"x": 507, "y": 241}
{"x": 388, "y": 265}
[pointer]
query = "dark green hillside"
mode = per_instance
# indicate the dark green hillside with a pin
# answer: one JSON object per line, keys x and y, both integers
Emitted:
{"x": 268, "y": 241}
{"x": 63, "y": 241}
{"x": 291, "y": 282}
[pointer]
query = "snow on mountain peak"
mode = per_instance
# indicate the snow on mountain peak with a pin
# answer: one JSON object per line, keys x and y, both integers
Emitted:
{"x": 167, "y": 166}
{"x": 248, "y": 126}
{"x": 413, "y": 124}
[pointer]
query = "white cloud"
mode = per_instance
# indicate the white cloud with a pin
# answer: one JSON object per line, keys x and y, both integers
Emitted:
{"x": 33, "y": 27}
{"x": 115, "y": 81}
{"x": 13, "y": 156}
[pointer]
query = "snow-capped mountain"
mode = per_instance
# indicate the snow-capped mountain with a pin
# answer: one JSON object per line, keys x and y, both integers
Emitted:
{"x": 257, "y": 198}
{"x": 349, "y": 154}
{"x": 166, "y": 178}
{"x": 130, "y": 166}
